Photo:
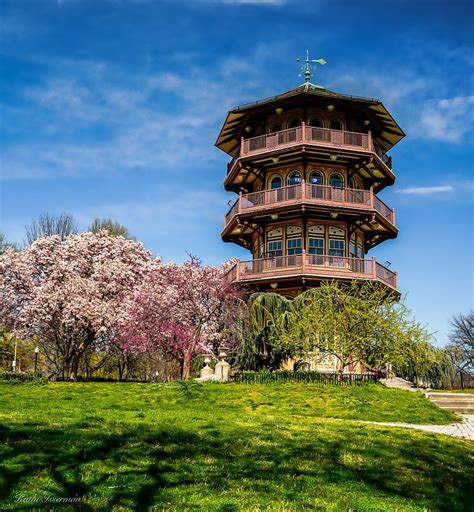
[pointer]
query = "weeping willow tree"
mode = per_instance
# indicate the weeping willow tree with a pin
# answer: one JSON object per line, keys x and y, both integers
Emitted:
{"x": 357, "y": 323}
{"x": 262, "y": 349}
{"x": 425, "y": 365}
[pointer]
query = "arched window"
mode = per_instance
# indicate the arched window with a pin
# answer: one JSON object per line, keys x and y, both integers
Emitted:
{"x": 275, "y": 182}
{"x": 294, "y": 178}
{"x": 336, "y": 180}
{"x": 337, "y": 244}
{"x": 316, "y": 122}
{"x": 294, "y": 123}
{"x": 316, "y": 178}
{"x": 336, "y": 124}
{"x": 275, "y": 127}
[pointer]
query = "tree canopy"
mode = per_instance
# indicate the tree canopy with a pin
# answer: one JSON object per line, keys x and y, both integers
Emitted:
{"x": 358, "y": 323}
{"x": 113, "y": 228}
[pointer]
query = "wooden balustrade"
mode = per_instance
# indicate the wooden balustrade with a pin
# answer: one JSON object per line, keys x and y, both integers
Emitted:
{"x": 311, "y": 135}
{"x": 313, "y": 265}
{"x": 386, "y": 275}
{"x": 384, "y": 210}
{"x": 318, "y": 194}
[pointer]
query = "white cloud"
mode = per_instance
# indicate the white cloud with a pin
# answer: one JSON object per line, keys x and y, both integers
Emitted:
{"x": 425, "y": 191}
{"x": 87, "y": 118}
{"x": 447, "y": 120}
{"x": 392, "y": 90}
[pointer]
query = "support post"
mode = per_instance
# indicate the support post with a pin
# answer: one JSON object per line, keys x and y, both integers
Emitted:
{"x": 374, "y": 270}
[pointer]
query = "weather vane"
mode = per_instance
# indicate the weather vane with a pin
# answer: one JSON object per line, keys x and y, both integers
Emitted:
{"x": 308, "y": 64}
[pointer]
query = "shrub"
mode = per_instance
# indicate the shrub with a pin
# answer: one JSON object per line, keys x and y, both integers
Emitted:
{"x": 23, "y": 377}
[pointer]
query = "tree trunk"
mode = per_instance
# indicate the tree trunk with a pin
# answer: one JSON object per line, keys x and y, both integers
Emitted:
{"x": 186, "y": 369}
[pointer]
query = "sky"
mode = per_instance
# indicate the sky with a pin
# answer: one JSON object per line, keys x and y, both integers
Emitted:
{"x": 110, "y": 108}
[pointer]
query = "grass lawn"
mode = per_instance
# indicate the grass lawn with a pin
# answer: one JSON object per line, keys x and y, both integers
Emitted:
{"x": 285, "y": 447}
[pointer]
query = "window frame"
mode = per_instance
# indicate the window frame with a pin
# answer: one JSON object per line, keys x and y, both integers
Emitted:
{"x": 336, "y": 173}
{"x": 270, "y": 181}
{"x": 337, "y": 119}
{"x": 316, "y": 171}
{"x": 290, "y": 174}
{"x": 290, "y": 122}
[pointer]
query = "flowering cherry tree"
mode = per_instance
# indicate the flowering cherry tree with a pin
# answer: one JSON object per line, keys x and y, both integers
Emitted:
{"x": 69, "y": 293}
{"x": 177, "y": 311}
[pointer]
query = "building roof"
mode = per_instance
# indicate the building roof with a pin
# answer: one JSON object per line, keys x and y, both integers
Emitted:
{"x": 388, "y": 132}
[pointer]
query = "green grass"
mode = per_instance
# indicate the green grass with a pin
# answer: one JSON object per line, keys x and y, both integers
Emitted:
{"x": 227, "y": 448}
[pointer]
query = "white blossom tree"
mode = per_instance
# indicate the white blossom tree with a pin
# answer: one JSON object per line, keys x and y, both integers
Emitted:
{"x": 69, "y": 293}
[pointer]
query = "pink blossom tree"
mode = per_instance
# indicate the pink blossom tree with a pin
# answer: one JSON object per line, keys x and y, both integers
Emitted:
{"x": 177, "y": 311}
{"x": 70, "y": 293}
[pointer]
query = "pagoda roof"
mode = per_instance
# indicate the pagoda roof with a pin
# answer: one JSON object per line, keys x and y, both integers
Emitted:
{"x": 388, "y": 131}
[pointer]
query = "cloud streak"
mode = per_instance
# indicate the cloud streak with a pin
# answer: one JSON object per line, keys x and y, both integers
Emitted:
{"x": 425, "y": 191}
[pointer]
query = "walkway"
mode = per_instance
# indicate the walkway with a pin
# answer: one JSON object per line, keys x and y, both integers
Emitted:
{"x": 455, "y": 402}
{"x": 464, "y": 429}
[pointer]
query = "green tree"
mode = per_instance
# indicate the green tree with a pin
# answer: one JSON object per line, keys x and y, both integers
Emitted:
{"x": 25, "y": 352}
{"x": 262, "y": 348}
{"x": 112, "y": 228}
{"x": 5, "y": 244}
{"x": 354, "y": 323}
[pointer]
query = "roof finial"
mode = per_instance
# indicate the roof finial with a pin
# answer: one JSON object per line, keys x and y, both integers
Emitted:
{"x": 308, "y": 64}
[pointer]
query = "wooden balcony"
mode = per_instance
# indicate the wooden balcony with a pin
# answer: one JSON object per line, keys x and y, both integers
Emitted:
{"x": 311, "y": 266}
{"x": 323, "y": 195}
{"x": 310, "y": 135}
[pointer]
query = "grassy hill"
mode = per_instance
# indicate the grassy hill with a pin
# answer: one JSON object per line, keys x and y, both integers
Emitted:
{"x": 128, "y": 446}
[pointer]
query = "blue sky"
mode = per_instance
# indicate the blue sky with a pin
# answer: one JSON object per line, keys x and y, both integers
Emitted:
{"x": 111, "y": 109}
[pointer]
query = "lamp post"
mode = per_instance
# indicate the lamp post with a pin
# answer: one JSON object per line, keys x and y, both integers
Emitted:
{"x": 14, "y": 357}
{"x": 36, "y": 358}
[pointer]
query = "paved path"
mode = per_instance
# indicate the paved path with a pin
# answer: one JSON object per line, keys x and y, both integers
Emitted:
{"x": 464, "y": 429}
{"x": 399, "y": 383}
{"x": 454, "y": 402}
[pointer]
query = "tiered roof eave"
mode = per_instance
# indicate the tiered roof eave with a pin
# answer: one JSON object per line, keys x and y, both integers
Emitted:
{"x": 388, "y": 134}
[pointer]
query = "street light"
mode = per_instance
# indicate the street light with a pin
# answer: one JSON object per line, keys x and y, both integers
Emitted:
{"x": 36, "y": 358}
{"x": 14, "y": 356}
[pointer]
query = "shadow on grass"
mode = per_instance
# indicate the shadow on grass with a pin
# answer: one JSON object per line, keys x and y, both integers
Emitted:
{"x": 232, "y": 468}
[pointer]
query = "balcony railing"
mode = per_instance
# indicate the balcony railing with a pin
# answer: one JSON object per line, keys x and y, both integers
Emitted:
{"x": 317, "y": 194}
{"x": 316, "y": 265}
{"x": 311, "y": 135}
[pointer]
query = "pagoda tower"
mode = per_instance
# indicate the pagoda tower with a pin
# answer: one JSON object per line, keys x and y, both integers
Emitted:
{"x": 307, "y": 166}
